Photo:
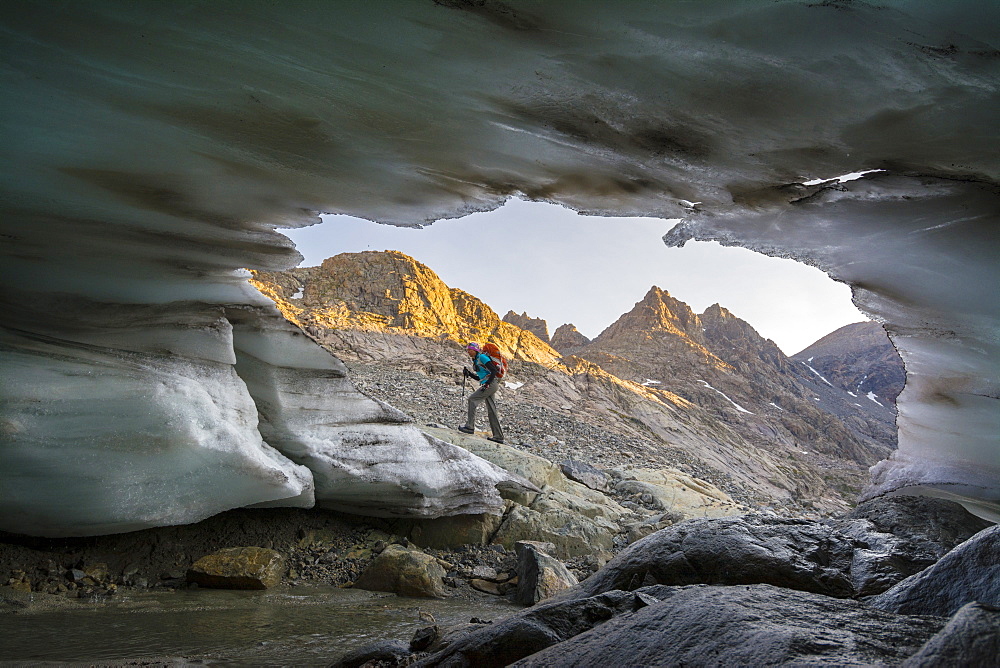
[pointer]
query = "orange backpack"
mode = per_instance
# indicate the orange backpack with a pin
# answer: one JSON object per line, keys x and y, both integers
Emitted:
{"x": 498, "y": 359}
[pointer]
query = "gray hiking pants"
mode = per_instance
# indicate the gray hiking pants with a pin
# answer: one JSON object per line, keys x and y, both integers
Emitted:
{"x": 485, "y": 394}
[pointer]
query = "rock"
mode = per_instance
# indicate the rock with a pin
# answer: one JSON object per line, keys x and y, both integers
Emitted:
{"x": 487, "y": 587}
{"x": 536, "y": 470}
{"x": 405, "y": 572}
{"x": 971, "y": 638}
{"x": 537, "y": 628}
{"x": 582, "y": 501}
{"x": 450, "y": 532}
{"x": 424, "y": 638}
{"x": 970, "y": 572}
{"x": 567, "y": 339}
{"x": 928, "y": 527}
{"x": 484, "y": 572}
{"x": 742, "y": 626}
{"x": 536, "y": 326}
{"x": 539, "y": 575}
{"x": 97, "y": 572}
{"x": 572, "y": 534}
{"x": 753, "y": 549}
{"x": 13, "y": 598}
{"x": 238, "y": 568}
{"x": 638, "y": 530}
{"x": 677, "y": 493}
{"x": 900, "y": 536}
{"x": 586, "y": 474}
{"x": 392, "y": 652}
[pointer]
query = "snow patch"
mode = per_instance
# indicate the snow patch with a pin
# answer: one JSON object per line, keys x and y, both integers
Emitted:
{"x": 844, "y": 178}
{"x": 650, "y": 381}
{"x": 298, "y": 295}
{"x": 776, "y": 405}
{"x": 874, "y": 397}
{"x": 738, "y": 407}
{"x": 511, "y": 385}
{"x": 817, "y": 373}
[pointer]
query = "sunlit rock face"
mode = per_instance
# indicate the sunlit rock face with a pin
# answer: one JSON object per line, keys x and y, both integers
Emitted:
{"x": 150, "y": 149}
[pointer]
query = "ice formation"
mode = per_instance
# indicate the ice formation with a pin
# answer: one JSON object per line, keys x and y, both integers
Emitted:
{"x": 151, "y": 149}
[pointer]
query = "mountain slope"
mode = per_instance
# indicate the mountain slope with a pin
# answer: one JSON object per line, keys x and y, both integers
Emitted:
{"x": 661, "y": 385}
{"x": 860, "y": 359}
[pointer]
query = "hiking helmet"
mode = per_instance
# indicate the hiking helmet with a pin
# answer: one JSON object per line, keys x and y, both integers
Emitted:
{"x": 473, "y": 346}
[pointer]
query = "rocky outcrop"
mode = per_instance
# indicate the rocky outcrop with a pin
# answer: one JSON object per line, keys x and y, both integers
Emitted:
{"x": 789, "y": 553}
{"x": 585, "y": 474}
{"x": 752, "y": 625}
{"x": 897, "y": 537}
{"x": 971, "y": 638}
{"x": 741, "y": 626}
{"x": 576, "y": 519}
{"x": 506, "y": 641}
{"x": 970, "y": 572}
{"x": 536, "y": 326}
{"x": 859, "y": 359}
{"x": 567, "y": 339}
{"x": 238, "y": 568}
{"x": 673, "y": 492}
{"x": 392, "y": 295}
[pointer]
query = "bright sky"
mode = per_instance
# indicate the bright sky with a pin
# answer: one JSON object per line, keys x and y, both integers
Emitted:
{"x": 563, "y": 267}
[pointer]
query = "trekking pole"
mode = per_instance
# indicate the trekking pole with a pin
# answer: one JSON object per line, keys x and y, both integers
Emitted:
{"x": 464, "y": 378}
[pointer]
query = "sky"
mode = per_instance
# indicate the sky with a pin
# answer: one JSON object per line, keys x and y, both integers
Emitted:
{"x": 557, "y": 265}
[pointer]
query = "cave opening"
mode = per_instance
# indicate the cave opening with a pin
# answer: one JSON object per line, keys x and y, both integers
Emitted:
{"x": 588, "y": 270}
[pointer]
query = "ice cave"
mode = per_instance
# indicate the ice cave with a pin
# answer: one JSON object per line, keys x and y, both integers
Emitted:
{"x": 152, "y": 153}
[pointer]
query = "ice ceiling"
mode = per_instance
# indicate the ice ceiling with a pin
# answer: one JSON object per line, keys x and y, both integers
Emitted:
{"x": 150, "y": 149}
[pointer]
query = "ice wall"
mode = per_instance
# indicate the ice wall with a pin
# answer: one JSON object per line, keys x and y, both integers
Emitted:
{"x": 150, "y": 149}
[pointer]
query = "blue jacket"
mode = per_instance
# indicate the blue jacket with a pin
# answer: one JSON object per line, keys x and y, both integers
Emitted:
{"x": 485, "y": 368}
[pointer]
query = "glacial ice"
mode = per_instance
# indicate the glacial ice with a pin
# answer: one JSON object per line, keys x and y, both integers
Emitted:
{"x": 151, "y": 150}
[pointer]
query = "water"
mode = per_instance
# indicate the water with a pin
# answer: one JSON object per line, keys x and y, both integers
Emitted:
{"x": 285, "y": 627}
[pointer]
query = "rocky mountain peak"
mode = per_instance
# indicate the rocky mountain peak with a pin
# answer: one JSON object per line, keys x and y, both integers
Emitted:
{"x": 536, "y": 326}
{"x": 393, "y": 295}
{"x": 657, "y": 312}
{"x": 568, "y": 340}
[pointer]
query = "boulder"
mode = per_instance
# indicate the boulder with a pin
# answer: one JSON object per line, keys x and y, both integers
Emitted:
{"x": 405, "y": 572}
{"x": 970, "y": 572}
{"x": 539, "y": 627}
{"x": 383, "y": 652}
{"x": 932, "y": 526}
{"x": 487, "y": 586}
{"x": 238, "y": 568}
{"x": 971, "y": 638}
{"x": 585, "y": 474}
{"x": 539, "y": 575}
{"x": 753, "y": 549}
{"x": 742, "y": 626}
{"x": 897, "y": 537}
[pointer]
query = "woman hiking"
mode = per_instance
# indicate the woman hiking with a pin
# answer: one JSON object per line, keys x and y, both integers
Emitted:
{"x": 488, "y": 373}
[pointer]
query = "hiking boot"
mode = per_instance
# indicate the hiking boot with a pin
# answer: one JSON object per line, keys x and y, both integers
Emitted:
{"x": 466, "y": 430}
{"x": 495, "y": 439}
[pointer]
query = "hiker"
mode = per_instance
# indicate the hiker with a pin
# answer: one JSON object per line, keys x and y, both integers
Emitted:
{"x": 488, "y": 373}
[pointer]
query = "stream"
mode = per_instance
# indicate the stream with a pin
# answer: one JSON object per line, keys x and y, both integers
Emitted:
{"x": 301, "y": 626}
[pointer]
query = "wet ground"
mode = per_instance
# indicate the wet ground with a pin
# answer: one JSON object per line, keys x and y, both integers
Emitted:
{"x": 288, "y": 626}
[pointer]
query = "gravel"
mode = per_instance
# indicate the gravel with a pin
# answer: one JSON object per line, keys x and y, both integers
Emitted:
{"x": 553, "y": 433}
